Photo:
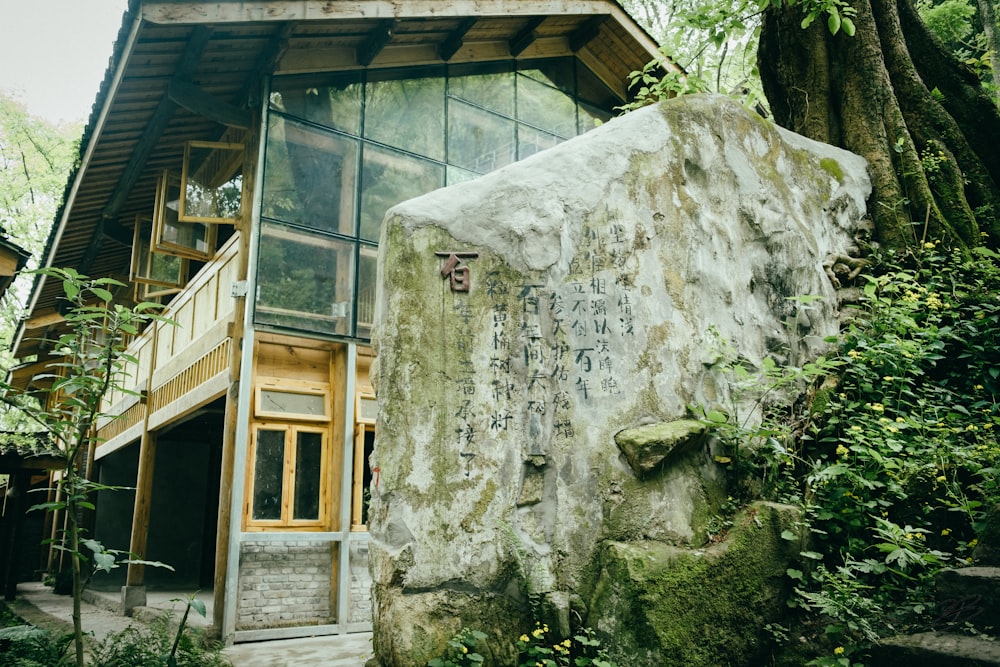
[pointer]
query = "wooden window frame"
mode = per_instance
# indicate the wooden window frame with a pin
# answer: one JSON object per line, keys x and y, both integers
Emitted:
{"x": 362, "y": 427}
{"x": 291, "y": 430}
{"x": 147, "y": 288}
{"x": 239, "y": 166}
{"x": 163, "y": 185}
{"x": 281, "y": 385}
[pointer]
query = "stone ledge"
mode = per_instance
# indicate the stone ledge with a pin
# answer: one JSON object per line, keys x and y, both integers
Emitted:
{"x": 934, "y": 649}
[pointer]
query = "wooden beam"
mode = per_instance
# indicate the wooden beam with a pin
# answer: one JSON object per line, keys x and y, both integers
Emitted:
{"x": 44, "y": 318}
{"x": 200, "y": 36}
{"x": 197, "y": 101}
{"x": 526, "y": 36}
{"x": 377, "y": 40}
{"x": 580, "y": 37}
{"x": 453, "y": 42}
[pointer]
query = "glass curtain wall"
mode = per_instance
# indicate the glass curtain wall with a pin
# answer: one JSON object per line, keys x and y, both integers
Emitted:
{"x": 342, "y": 149}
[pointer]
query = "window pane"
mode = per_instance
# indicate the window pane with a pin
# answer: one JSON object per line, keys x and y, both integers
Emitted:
{"x": 309, "y": 176}
{"x": 334, "y": 102}
{"x": 556, "y": 72}
{"x": 292, "y": 403}
{"x": 269, "y": 466}
{"x": 304, "y": 281}
{"x": 213, "y": 181}
{"x": 545, "y": 107}
{"x": 189, "y": 239}
{"x": 407, "y": 114}
{"x": 493, "y": 90}
{"x": 591, "y": 117}
{"x": 308, "y": 461}
{"x": 389, "y": 178}
{"x": 478, "y": 140}
{"x": 367, "y": 261}
{"x": 597, "y": 101}
{"x": 456, "y": 175}
{"x": 531, "y": 141}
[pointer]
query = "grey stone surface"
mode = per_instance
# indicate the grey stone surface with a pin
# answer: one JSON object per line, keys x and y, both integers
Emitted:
{"x": 602, "y": 276}
{"x": 937, "y": 649}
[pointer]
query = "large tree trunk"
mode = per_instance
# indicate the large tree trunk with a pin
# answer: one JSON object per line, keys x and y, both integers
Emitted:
{"x": 932, "y": 155}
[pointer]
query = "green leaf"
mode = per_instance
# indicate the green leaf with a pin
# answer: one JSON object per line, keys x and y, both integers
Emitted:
{"x": 789, "y": 535}
{"x": 104, "y": 562}
{"x": 833, "y": 22}
{"x": 102, "y": 294}
{"x": 847, "y": 25}
{"x": 198, "y": 606}
{"x": 794, "y": 574}
{"x": 716, "y": 417}
{"x": 70, "y": 289}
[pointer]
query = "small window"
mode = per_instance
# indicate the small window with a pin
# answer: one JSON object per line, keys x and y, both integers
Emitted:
{"x": 195, "y": 240}
{"x": 289, "y": 482}
{"x": 287, "y": 399}
{"x": 154, "y": 273}
{"x": 212, "y": 182}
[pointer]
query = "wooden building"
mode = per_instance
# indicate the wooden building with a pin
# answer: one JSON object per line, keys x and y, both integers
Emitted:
{"x": 237, "y": 166}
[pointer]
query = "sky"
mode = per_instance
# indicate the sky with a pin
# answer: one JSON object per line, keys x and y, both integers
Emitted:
{"x": 53, "y": 53}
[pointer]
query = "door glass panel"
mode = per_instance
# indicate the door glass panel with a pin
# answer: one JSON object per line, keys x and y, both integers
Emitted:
{"x": 269, "y": 466}
{"x": 407, "y": 114}
{"x": 388, "y": 178}
{"x": 304, "y": 281}
{"x": 478, "y": 140}
{"x": 308, "y": 461}
{"x": 309, "y": 176}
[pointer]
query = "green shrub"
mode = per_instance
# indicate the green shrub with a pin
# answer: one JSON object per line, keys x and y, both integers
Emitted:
{"x": 28, "y": 646}
{"x": 896, "y": 461}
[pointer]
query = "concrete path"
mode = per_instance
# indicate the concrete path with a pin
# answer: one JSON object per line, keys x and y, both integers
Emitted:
{"x": 38, "y": 605}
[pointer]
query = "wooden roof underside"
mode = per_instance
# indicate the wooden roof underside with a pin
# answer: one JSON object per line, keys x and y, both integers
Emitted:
{"x": 185, "y": 70}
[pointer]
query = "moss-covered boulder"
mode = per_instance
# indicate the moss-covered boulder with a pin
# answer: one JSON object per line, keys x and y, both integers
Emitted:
{"x": 647, "y": 447}
{"x": 657, "y": 605}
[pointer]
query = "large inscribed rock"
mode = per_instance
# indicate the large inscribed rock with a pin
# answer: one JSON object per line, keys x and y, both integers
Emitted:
{"x": 530, "y": 316}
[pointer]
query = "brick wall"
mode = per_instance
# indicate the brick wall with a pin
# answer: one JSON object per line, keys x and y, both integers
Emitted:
{"x": 360, "y": 598}
{"x": 285, "y": 584}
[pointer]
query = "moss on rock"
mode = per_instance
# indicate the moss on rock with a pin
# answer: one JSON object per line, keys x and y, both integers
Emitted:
{"x": 659, "y": 605}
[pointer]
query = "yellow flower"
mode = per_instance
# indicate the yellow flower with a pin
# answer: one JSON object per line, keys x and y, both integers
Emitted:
{"x": 971, "y": 427}
{"x": 842, "y": 450}
{"x": 537, "y": 633}
{"x": 567, "y": 643}
{"x": 900, "y": 420}
{"x": 946, "y": 531}
{"x": 856, "y": 429}
{"x": 941, "y": 478}
{"x": 853, "y": 354}
{"x": 465, "y": 649}
{"x": 840, "y": 649}
{"x": 978, "y": 387}
{"x": 523, "y": 638}
{"x": 929, "y": 246}
{"x": 888, "y": 378}
{"x": 876, "y": 407}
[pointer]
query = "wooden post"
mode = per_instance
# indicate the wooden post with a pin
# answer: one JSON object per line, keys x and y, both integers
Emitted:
{"x": 140, "y": 519}
{"x": 228, "y": 464}
{"x": 13, "y": 524}
{"x": 134, "y": 591}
